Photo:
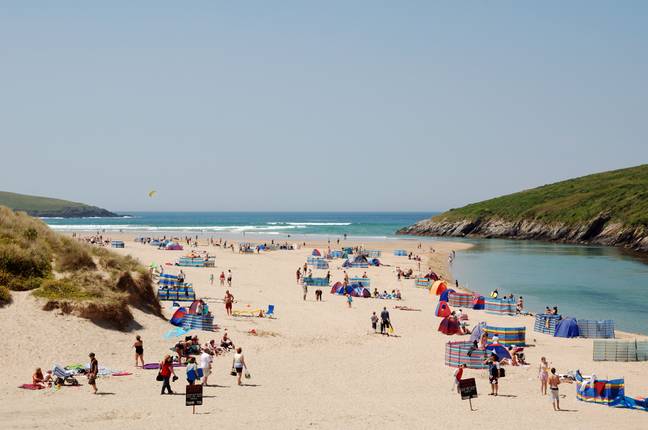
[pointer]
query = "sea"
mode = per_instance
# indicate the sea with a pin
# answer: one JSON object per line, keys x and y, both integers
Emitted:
{"x": 590, "y": 282}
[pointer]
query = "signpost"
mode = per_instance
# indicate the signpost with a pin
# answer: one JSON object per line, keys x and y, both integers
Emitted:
{"x": 194, "y": 396}
{"x": 468, "y": 390}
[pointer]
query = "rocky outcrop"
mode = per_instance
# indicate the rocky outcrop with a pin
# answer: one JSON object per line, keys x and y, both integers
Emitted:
{"x": 73, "y": 212}
{"x": 600, "y": 230}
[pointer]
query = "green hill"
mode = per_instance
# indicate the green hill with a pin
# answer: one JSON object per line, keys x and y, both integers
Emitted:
{"x": 68, "y": 275}
{"x": 47, "y": 207}
{"x": 608, "y": 208}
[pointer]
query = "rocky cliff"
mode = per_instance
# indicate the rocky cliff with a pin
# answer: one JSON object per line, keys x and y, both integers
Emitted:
{"x": 600, "y": 230}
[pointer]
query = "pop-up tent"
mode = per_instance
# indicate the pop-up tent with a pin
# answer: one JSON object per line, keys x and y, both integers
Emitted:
{"x": 567, "y": 327}
{"x": 442, "y": 310}
{"x": 316, "y": 253}
{"x": 449, "y": 326}
{"x": 439, "y": 287}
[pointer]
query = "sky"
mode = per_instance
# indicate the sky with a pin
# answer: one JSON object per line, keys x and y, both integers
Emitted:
{"x": 316, "y": 106}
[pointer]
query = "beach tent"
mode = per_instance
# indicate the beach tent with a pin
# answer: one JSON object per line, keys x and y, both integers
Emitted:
{"x": 173, "y": 246}
{"x": 359, "y": 261}
{"x": 507, "y": 335}
{"x": 546, "y": 323}
{"x": 567, "y": 327}
{"x": 335, "y": 287}
{"x": 461, "y": 352}
{"x": 360, "y": 291}
{"x": 443, "y": 297}
{"x": 499, "y": 349}
{"x": 374, "y": 262}
{"x": 316, "y": 253}
{"x": 477, "y": 332}
{"x": 442, "y": 310}
{"x": 478, "y": 302}
{"x": 439, "y": 287}
{"x": 178, "y": 316}
{"x": 449, "y": 326}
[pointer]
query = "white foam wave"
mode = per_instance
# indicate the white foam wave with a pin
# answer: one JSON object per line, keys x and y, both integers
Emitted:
{"x": 114, "y": 227}
{"x": 310, "y": 223}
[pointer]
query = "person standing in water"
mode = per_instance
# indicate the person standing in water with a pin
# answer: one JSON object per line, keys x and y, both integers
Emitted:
{"x": 139, "y": 350}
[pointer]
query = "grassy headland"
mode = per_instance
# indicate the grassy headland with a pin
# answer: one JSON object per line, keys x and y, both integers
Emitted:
{"x": 609, "y": 208}
{"x": 47, "y": 207}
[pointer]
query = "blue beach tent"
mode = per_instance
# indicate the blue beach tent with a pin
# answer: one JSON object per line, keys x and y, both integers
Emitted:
{"x": 567, "y": 327}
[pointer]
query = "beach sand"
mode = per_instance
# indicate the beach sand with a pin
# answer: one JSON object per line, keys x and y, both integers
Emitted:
{"x": 319, "y": 364}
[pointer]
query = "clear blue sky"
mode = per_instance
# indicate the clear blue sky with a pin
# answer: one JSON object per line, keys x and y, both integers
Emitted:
{"x": 330, "y": 105}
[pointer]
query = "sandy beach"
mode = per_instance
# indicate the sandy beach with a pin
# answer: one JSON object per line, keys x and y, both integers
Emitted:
{"x": 316, "y": 365}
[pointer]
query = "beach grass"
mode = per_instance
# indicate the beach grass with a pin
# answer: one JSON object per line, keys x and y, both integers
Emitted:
{"x": 74, "y": 277}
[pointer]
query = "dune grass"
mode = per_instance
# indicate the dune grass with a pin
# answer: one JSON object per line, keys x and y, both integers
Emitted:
{"x": 73, "y": 277}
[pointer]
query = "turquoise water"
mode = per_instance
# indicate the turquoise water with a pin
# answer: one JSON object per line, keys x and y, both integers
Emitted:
{"x": 587, "y": 282}
{"x": 368, "y": 224}
{"x": 583, "y": 281}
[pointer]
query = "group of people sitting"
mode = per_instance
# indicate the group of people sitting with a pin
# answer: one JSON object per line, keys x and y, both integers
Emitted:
{"x": 191, "y": 346}
{"x": 394, "y": 295}
{"x": 407, "y": 274}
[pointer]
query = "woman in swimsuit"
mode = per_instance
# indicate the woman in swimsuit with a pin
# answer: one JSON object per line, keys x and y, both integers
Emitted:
{"x": 139, "y": 350}
{"x": 38, "y": 378}
{"x": 543, "y": 375}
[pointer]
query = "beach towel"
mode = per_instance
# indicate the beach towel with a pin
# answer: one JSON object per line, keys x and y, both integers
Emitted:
{"x": 121, "y": 374}
{"x": 31, "y": 387}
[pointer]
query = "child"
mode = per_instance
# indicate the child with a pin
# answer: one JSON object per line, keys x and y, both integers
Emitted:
{"x": 349, "y": 300}
{"x": 374, "y": 322}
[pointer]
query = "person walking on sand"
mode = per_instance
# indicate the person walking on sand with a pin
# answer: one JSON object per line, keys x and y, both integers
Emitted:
{"x": 349, "y": 300}
{"x": 385, "y": 322}
{"x": 192, "y": 371}
{"x": 298, "y": 274}
{"x": 238, "y": 364}
{"x": 305, "y": 291}
{"x": 229, "y": 299}
{"x": 93, "y": 372}
{"x": 222, "y": 279}
{"x": 211, "y": 279}
{"x": 374, "y": 322}
{"x": 206, "y": 365}
{"x": 166, "y": 371}
{"x": 543, "y": 375}
{"x": 554, "y": 381}
{"x": 229, "y": 278}
{"x": 139, "y": 350}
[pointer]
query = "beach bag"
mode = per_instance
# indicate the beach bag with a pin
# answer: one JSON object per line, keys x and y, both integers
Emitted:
{"x": 233, "y": 372}
{"x": 502, "y": 372}
{"x": 159, "y": 377}
{"x": 247, "y": 374}
{"x": 390, "y": 330}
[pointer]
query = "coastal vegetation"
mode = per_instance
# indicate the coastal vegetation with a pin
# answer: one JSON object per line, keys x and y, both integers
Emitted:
{"x": 609, "y": 208}
{"x": 48, "y": 207}
{"x": 73, "y": 277}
